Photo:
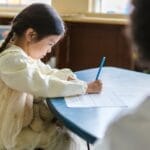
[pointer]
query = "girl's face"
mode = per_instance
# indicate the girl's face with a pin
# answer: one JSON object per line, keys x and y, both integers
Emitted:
{"x": 39, "y": 49}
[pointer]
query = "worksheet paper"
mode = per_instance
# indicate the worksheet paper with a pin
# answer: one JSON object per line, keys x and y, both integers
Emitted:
{"x": 120, "y": 89}
{"x": 107, "y": 98}
{"x": 125, "y": 96}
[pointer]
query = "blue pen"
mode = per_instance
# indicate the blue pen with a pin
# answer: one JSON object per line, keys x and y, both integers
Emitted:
{"x": 100, "y": 67}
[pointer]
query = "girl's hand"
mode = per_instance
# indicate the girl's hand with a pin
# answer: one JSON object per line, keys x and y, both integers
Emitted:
{"x": 94, "y": 87}
{"x": 70, "y": 78}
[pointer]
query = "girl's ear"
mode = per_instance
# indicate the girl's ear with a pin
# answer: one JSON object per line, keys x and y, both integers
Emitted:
{"x": 30, "y": 35}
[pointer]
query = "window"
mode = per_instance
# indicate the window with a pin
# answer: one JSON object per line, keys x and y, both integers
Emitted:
{"x": 111, "y": 6}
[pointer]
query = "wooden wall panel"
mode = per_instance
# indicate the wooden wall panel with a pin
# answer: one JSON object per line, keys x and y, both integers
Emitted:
{"x": 87, "y": 42}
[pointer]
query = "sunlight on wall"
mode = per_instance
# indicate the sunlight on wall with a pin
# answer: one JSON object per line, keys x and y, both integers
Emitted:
{"x": 71, "y": 6}
{"x": 18, "y": 2}
{"x": 35, "y": 1}
{"x": 13, "y": 1}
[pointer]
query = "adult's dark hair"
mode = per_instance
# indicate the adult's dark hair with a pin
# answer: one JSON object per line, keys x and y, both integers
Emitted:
{"x": 41, "y": 17}
{"x": 140, "y": 27}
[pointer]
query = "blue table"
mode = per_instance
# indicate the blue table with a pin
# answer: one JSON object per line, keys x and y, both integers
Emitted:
{"x": 91, "y": 123}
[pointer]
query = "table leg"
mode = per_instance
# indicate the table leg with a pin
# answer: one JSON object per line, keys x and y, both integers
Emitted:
{"x": 88, "y": 146}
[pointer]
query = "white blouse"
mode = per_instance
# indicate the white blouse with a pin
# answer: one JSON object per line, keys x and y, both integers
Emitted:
{"x": 23, "y": 78}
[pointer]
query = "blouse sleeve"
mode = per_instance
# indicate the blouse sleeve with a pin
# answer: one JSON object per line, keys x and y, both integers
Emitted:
{"x": 23, "y": 74}
{"x": 60, "y": 73}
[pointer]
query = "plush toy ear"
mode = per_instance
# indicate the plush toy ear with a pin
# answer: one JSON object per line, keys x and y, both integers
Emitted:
{"x": 30, "y": 35}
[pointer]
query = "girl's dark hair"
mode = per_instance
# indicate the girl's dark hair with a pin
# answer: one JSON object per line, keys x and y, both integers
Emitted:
{"x": 40, "y": 17}
{"x": 140, "y": 27}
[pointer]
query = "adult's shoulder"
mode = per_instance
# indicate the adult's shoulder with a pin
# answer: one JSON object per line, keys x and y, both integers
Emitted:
{"x": 126, "y": 130}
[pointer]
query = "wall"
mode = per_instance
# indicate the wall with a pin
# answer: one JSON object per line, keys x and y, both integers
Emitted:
{"x": 71, "y": 6}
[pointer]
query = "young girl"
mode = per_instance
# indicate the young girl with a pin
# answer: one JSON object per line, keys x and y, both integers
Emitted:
{"x": 25, "y": 121}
